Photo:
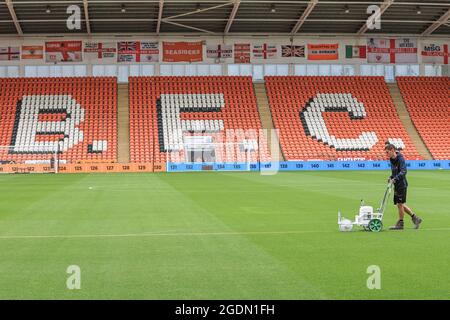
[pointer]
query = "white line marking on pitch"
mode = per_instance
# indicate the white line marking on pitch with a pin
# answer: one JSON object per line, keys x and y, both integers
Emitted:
{"x": 180, "y": 234}
{"x": 137, "y": 235}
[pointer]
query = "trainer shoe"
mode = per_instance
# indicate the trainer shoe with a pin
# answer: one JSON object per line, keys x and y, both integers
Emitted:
{"x": 398, "y": 226}
{"x": 417, "y": 221}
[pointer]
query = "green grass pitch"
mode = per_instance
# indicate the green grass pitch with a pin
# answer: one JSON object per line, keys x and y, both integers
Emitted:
{"x": 218, "y": 236}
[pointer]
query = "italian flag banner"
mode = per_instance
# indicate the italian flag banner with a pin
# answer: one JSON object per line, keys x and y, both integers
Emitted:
{"x": 358, "y": 52}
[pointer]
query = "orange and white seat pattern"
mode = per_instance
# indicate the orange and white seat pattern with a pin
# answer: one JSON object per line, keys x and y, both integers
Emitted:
{"x": 335, "y": 118}
{"x": 166, "y": 111}
{"x": 315, "y": 126}
{"x": 76, "y": 117}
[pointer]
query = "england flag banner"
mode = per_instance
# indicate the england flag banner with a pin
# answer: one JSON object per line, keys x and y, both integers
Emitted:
{"x": 9, "y": 53}
{"x": 392, "y": 50}
{"x": 219, "y": 51}
{"x": 264, "y": 51}
{"x": 100, "y": 50}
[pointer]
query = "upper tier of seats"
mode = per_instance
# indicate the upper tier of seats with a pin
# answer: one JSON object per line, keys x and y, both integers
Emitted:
{"x": 335, "y": 118}
{"x": 165, "y": 110}
{"x": 428, "y": 103}
{"x": 77, "y": 116}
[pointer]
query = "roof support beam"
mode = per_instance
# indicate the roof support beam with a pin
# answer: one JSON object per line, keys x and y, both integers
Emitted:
{"x": 10, "y": 6}
{"x": 383, "y": 7}
{"x": 200, "y": 10}
{"x": 304, "y": 16}
{"x": 188, "y": 27}
{"x": 86, "y": 16}
{"x": 442, "y": 20}
{"x": 172, "y": 20}
{"x": 232, "y": 15}
{"x": 161, "y": 7}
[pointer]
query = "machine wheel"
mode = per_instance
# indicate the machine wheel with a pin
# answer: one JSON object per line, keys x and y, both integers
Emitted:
{"x": 375, "y": 225}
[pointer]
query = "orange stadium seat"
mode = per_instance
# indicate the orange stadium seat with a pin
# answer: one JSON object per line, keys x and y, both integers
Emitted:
{"x": 428, "y": 103}
{"x": 77, "y": 116}
{"x": 333, "y": 118}
{"x": 192, "y": 105}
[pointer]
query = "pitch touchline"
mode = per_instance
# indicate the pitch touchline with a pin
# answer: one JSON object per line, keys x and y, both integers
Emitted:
{"x": 137, "y": 235}
{"x": 181, "y": 234}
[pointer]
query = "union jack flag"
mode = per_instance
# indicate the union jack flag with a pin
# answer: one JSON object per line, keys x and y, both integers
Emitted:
{"x": 292, "y": 51}
{"x": 127, "y": 46}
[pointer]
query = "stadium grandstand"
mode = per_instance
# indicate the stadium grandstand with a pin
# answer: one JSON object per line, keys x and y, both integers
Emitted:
{"x": 122, "y": 94}
{"x": 88, "y": 98}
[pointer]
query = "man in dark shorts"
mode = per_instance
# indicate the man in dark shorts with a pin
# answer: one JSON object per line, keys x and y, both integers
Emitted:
{"x": 398, "y": 178}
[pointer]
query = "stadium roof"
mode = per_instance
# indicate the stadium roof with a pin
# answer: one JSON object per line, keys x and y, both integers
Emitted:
{"x": 224, "y": 17}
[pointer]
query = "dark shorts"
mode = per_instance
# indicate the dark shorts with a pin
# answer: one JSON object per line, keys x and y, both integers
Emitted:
{"x": 400, "y": 195}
